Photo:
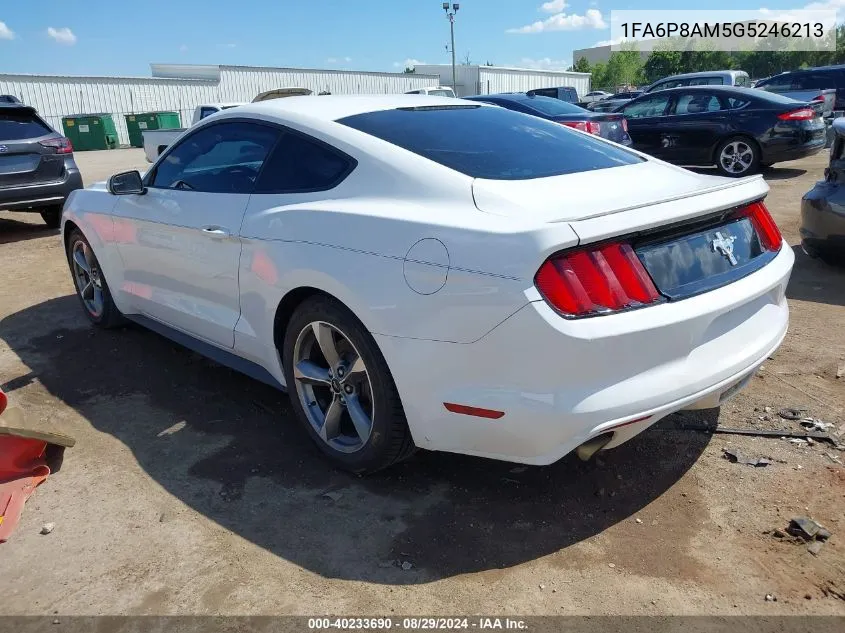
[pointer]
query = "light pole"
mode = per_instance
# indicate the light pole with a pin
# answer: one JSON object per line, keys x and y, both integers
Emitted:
{"x": 451, "y": 17}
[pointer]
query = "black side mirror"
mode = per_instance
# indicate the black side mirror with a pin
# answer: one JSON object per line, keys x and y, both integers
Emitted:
{"x": 127, "y": 182}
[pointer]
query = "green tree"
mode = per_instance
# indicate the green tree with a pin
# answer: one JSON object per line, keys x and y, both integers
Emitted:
{"x": 409, "y": 70}
{"x": 662, "y": 64}
{"x": 581, "y": 66}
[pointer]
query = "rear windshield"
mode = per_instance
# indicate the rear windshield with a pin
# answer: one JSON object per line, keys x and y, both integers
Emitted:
{"x": 494, "y": 143}
{"x": 440, "y": 93}
{"x": 18, "y": 126}
{"x": 549, "y": 106}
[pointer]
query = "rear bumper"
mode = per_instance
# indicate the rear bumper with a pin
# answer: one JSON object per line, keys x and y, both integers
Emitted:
{"x": 783, "y": 153}
{"x": 823, "y": 217}
{"x": 561, "y": 382}
{"x": 36, "y": 197}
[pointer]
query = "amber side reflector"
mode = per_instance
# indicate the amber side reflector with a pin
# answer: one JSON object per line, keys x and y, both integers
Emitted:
{"x": 475, "y": 411}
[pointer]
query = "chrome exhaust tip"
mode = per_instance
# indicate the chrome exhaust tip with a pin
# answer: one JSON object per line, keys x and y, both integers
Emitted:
{"x": 593, "y": 446}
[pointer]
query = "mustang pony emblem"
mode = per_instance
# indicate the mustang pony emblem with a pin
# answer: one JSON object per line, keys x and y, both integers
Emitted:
{"x": 724, "y": 246}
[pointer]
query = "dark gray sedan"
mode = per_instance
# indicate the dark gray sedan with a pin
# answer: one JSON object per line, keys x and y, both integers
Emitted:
{"x": 823, "y": 207}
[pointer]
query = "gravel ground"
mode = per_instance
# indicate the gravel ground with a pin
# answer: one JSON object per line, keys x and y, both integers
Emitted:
{"x": 191, "y": 491}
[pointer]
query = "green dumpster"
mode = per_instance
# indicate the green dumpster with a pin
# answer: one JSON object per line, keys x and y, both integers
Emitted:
{"x": 137, "y": 123}
{"x": 90, "y": 131}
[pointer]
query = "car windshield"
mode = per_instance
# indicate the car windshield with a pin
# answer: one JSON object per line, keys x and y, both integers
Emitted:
{"x": 493, "y": 143}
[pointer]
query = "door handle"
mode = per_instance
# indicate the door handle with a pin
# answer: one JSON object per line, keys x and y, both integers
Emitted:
{"x": 215, "y": 231}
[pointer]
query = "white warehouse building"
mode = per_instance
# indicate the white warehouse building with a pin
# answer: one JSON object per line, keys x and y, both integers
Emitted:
{"x": 182, "y": 87}
{"x": 473, "y": 80}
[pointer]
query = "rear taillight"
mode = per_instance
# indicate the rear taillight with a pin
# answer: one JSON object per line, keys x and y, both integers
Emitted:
{"x": 591, "y": 127}
{"x": 804, "y": 114}
{"x": 3, "y": 401}
{"x": 764, "y": 224}
{"x": 625, "y": 124}
{"x": 61, "y": 145}
{"x": 819, "y": 98}
{"x": 596, "y": 280}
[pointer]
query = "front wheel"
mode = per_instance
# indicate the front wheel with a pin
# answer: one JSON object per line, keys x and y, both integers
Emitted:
{"x": 90, "y": 283}
{"x": 737, "y": 156}
{"x": 342, "y": 389}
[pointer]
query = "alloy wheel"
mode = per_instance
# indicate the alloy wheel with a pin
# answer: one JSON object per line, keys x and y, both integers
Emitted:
{"x": 736, "y": 157}
{"x": 333, "y": 386}
{"x": 88, "y": 279}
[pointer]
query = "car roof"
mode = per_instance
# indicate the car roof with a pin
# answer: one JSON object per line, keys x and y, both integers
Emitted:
{"x": 7, "y": 106}
{"x": 334, "y": 107}
{"x": 703, "y": 73}
{"x": 738, "y": 90}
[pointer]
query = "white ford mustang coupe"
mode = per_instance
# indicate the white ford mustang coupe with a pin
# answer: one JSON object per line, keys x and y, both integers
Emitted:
{"x": 430, "y": 272}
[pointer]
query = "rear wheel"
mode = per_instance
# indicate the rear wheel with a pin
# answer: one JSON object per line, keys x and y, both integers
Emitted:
{"x": 52, "y": 217}
{"x": 737, "y": 156}
{"x": 91, "y": 286}
{"x": 342, "y": 389}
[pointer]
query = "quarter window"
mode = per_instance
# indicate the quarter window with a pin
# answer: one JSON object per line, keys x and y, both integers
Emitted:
{"x": 222, "y": 158}
{"x": 299, "y": 164}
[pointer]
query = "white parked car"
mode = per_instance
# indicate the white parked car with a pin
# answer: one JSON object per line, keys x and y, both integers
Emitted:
{"x": 596, "y": 95}
{"x": 425, "y": 272}
{"x": 435, "y": 91}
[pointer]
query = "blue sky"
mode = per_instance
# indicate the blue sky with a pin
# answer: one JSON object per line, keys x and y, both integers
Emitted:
{"x": 95, "y": 37}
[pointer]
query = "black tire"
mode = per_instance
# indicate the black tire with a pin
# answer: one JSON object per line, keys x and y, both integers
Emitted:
{"x": 752, "y": 167}
{"x": 110, "y": 316}
{"x": 52, "y": 217}
{"x": 390, "y": 440}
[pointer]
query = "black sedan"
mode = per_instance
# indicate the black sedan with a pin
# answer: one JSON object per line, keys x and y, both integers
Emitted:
{"x": 611, "y": 126}
{"x": 737, "y": 129}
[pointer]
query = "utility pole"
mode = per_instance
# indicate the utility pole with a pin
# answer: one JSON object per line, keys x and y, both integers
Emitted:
{"x": 451, "y": 17}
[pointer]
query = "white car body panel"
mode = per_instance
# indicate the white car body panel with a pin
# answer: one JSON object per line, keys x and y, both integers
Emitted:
{"x": 439, "y": 267}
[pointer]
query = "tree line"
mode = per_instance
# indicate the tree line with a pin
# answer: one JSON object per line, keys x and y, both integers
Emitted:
{"x": 629, "y": 67}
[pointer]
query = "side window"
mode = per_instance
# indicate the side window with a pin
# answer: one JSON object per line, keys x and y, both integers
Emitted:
{"x": 786, "y": 81}
{"x": 742, "y": 81}
{"x": 300, "y": 164}
{"x": 697, "y": 103}
{"x": 204, "y": 112}
{"x": 653, "y": 106}
{"x": 222, "y": 158}
{"x": 735, "y": 103}
{"x": 817, "y": 81}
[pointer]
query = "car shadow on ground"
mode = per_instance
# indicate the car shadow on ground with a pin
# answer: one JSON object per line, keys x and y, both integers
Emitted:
{"x": 16, "y": 231}
{"x": 815, "y": 280}
{"x": 782, "y": 173}
{"x": 229, "y": 448}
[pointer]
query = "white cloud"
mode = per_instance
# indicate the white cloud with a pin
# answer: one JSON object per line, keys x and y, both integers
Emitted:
{"x": 63, "y": 35}
{"x": 338, "y": 60}
{"x": 183, "y": 48}
{"x": 555, "y": 6}
{"x": 408, "y": 63}
{"x": 592, "y": 19}
{"x": 545, "y": 63}
{"x": 231, "y": 45}
{"x": 5, "y": 32}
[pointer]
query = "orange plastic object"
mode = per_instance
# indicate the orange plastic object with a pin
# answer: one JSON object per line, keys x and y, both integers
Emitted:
{"x": 22, "y": 470}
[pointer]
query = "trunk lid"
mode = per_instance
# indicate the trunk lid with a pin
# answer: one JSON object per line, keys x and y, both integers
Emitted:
{"x": 641, "y": 193}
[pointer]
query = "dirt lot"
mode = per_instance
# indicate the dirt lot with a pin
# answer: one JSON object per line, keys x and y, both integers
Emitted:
{"x": 191, "y": 491}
